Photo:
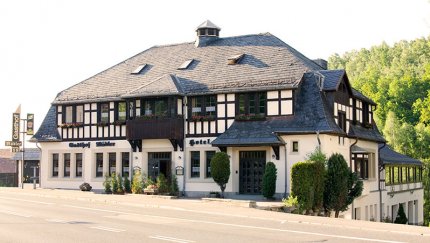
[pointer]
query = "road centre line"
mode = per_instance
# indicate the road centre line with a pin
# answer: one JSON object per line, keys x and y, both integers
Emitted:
{"x": 166, "y": 238}
{"x": 24, "y": 200}
{"x": 15, "y": 213}
{"x": 239, "y": 225}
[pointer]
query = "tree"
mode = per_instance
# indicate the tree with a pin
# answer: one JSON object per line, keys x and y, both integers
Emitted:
{"x": 162, "y": 185}
{"x": 220, "y": 170}
{"x": 107, "y": 184}
{"x": 127, "y": 186}
{"x": 174, "y": 187}
{"x": 319, "y": 160}
{"x": 269, "y": 180}
{"x": 341, "y": 186}
{"x": 120, "y": 189}
{"x": 137, "y": 182}
{"x": 114, "y": 182}
{"x": 401, "y": 216}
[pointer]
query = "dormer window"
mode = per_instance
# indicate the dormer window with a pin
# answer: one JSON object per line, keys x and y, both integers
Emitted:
{"x": 185, "y": 64}
{"x": 235, "y": 59}
{"x": 139, "y": 69}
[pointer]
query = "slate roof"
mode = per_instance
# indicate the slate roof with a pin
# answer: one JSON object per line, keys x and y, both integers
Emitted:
{"x": 268, "y": 63}
{"x": 47, "y": 131}
{"x": 371, "y": 134}
{"x": 165, "y": 85}
{"x": 361, "y": 96}
{"x": 391, "y": 157}
{"x": 311, "y": 115}
{"x": 29, "y": 154}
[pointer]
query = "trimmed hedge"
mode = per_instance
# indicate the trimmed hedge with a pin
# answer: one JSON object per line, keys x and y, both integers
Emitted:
{"x": 302, "y": 182}
{"x": 269, "y": 180}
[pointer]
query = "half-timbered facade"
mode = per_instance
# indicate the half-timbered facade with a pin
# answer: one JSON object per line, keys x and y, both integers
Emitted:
{"x": 170, "y": 108}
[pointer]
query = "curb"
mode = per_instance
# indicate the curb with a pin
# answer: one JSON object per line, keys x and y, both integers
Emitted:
{"x": 233, "y": 202}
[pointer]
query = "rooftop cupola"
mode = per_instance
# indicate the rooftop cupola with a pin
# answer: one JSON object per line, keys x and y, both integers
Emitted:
{"x": 206, "y": 33}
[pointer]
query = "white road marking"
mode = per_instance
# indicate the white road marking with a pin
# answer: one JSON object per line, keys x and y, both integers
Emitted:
{"x": 166, "y": 238}
{"x": 14, "y": 213}
{"x": 23, "y": 200}
{"x": 107, "y": 229}
{"x": 239, "y": 225}
{"x": 57, "y": 221}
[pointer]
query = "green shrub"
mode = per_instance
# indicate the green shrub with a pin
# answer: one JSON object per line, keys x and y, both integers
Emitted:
{"x": 319, "y": 161}
{"x": 127, "y": 185}
{"x": 302, "y": 184}
{"x": 341, "y": 186}
{"x": 137, "y": 183}
{"x": 162, "y": 185}
{"x": 220, "y": 170}
{"x": 114, "y": 182}
{"x": 269, "y": 180}
{"x": 401, "y": 216}
{"x": 120, "y": 181}
{"x": 174, "y": 187}
{"x": 107, "y": 185}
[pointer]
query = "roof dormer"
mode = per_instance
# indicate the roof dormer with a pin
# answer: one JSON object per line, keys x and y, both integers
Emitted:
{"x": 206, "y": 33}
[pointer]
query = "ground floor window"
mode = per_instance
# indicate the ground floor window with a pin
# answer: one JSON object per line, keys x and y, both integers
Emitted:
{"x": 67, "y": 165}
{"x": 195, "y": 164}
{"x": 361, "y": 165}
{"x": 79, "y": 165}
{"x": 55, "y": 165}
{"x": 125, "y": 159}
{"x": 112, "y": 163}
{"x": 209, "y": 155}
{"x": 99, "y": 164}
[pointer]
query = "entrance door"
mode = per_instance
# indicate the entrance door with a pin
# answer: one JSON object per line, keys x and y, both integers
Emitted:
{"x": 159, "y": 162}
{"x": 251, "y": 170}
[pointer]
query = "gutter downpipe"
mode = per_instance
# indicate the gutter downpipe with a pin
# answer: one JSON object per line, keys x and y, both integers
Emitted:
{"x": 380, "y": 168}
{"x": 184, "y": 161}
{"x": 350, "y": 167}
{"x": 40, "y": 165}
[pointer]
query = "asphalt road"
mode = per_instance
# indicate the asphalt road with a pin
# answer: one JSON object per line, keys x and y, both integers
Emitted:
{"x": 32, "y": 217}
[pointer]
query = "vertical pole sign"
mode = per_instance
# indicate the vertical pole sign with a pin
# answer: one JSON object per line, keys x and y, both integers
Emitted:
{"x": 15, "y": 129}
{"x": 30, "y": 124}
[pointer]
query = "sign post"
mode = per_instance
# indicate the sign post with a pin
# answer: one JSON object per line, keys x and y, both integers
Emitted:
{"x": 26, "y": 130}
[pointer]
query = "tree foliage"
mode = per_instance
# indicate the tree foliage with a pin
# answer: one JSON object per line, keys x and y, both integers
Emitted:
{"x": 220, "y": 170}
{"x": 269, "y": 180}
{"x": 341, "y": 185}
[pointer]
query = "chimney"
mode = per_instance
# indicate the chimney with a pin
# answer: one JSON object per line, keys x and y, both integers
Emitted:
{"x": 322, "y": 63}
{"x": 206, "y": 33}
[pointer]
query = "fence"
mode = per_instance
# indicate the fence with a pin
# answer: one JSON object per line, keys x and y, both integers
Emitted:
{"x": 9, "y": 179}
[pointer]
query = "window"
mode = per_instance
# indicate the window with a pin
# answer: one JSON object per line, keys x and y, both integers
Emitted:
{"x": 295, "y": 146}
{"x": 404, "y": 175}
{"x": 361, "y": 165}
{"x": 209, "y": 155}
{"x": 235, "y": 59}
{"x": 54, "y": 165}
{"x": 121, "y": 111}
{"x": 388, "y": 177}
{"x": 195, "y": 164}
{"x": 125, "y": 157}
{"x": 80, "y": 113}
{"x": 69, "y": 114}
{"x": 104, "y": 112}
{"x": 99, "y": 164}
{"x": 365, "y": 113}
{"x": 79, "y": 165}
{"x": 157, "y": 107}
{"x": 112, "y": 163}
{"x": 185, "y": 64}
{"x": 203, "y": 106}
{"x": 67, "y": 165}
{"x": 139, "y": 69}
{"x": 251, "y": 104}
{"x": 342, "y": 120}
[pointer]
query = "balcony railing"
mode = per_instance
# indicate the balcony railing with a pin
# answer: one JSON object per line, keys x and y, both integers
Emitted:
{"x": 158, "y": 128}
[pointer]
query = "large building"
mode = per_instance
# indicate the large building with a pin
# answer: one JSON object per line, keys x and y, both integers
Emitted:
{"x": 168, "y": 109}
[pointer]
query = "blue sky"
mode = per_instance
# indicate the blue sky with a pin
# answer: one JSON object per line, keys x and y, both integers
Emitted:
{"x": 47, "y": 46}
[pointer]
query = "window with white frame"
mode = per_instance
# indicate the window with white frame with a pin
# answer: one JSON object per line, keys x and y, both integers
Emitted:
{"x": 99, "y": 164}
{"x": 55, "y": 165}
{"x": 66, "y": 165}
{"x": 195, "y": 164}
{"x": 209, "y": 156}
{"x": 78, "y": 164}
{"x": 69, "y": 114}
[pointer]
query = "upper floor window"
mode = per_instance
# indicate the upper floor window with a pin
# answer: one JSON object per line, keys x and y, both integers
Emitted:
{"x": 121, "y": 111}
{"x": 342, "y": 120}
{"x": 362, "y": 165}
{"x": 69, "y": 114}
{"x": 104, "y": 112}
{"x": 157, "y": 107}
{"x": 251, "y": 103}
{"x": 73, "y": 114}
{"x": 203, "y": 106}
{"x": 365, "y": 113}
